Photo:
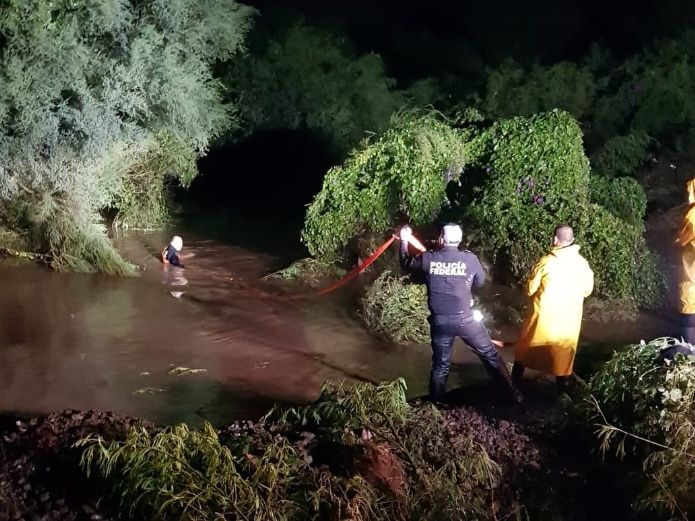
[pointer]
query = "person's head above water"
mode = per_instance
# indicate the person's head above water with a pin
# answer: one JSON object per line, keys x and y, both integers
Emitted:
{"x": 564, "y": 235}
{"x": 177, "y": 242}
{"x": 451, "y": 235}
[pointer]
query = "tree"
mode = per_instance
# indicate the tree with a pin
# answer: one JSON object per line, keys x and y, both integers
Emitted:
{"x": 306, "y": 77}
{"x": 101, "y": 103}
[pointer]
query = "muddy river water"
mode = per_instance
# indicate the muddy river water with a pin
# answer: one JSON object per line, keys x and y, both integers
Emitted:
{"x": 186, "y": 345}
{"x": 182, "y": 345}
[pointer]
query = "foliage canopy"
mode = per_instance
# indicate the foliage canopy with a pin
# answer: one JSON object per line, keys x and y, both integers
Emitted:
{"x": 305, "y": 77}
{"x": 521, "y": 177}
{"x": 404, "y": 172}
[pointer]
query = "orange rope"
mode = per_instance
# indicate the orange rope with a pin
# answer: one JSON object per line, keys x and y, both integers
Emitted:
{"x": 328, "y": 289}
{"x": 351, "y": 274}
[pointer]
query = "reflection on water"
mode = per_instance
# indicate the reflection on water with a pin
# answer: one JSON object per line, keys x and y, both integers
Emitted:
{"x": 84, "y": 341}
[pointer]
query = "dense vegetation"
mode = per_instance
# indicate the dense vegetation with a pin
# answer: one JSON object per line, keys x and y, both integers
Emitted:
{"x": 508, "y": 182}
{"x": 297, "y": 76}
{"x": 645, "y": 413}
{"x": 364, "y": 453}
{"x": 100, "y": 107}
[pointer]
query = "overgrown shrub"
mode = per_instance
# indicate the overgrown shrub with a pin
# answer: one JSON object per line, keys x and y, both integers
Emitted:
{"x": 535, "y": 176}
{"x": 445, "y": 481}
{"x": 645, "y": 412}
{"x": 523, "y": 176}
{"x": 621, "y": 155}
{"x": 187, "y": 474}
{"x": 403, "y": 172}
{"x": 623, "y": 265}
{"x": 624, "y": 197}
{"x": 396, "y": 310}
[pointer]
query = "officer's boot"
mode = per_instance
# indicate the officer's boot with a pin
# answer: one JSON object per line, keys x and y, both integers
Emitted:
{"x": 517, "y": 373}
{"x": 504, "y": 382}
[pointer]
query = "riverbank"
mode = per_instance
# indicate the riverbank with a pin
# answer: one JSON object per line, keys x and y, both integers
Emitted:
{"x": 533, "y": 465}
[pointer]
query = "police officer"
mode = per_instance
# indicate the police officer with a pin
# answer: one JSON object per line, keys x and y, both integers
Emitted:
{"x": 449, "y": 275}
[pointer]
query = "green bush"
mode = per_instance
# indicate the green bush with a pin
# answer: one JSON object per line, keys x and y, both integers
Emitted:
{"x": 523, "y": 176}
{"x": 535, "y": 176}
{"x": 403, "y": 172}
{"x": 446, "y": 481}
{"x": 623, "y": 265}
{"x": 621, "y": 155}
{"x": 264, "y": 472}
{"x": 645, "y": 412}
{"x": 395, "y": 310}
{"x": 187, "y": 474}
{"x": 624, "y": 197}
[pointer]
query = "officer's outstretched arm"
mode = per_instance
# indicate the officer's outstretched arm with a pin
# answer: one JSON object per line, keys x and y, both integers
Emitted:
{"x": 408, "y": 262}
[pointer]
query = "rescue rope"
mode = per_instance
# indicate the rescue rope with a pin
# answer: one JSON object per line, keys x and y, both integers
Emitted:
{"x": 354, "y": 272}
{"x": 358, "y": 269}
{"x": 328, "y": 289}
{"x": 350, "y": 275}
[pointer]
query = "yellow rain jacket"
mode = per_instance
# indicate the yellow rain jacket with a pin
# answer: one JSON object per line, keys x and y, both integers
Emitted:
{"x": 686, "y": 240}
{"x": 557, "y": 287}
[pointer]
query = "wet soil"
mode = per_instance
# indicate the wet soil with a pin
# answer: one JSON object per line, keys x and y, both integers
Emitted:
{"x": 40, "y": 478}
{"x": 545, "y": 466}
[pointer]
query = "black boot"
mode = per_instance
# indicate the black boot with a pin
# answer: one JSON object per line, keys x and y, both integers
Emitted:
{"x": 504, "y": 382}
{"x": 517, "y": 373}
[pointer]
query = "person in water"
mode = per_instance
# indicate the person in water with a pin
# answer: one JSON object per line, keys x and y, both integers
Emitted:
{"x": 558, "y": 285}
{"x": 170, "y": 254}
{"x": 449, "y": 274}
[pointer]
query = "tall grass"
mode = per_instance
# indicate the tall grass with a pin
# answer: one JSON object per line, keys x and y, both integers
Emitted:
{"x": 270, "y": 474}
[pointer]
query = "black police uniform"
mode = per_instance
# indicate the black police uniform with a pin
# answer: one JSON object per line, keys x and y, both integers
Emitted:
{"x": 449, "y": 274}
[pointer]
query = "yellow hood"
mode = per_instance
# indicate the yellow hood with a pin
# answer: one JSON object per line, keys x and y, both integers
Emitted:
{"x": 690, "y": 187}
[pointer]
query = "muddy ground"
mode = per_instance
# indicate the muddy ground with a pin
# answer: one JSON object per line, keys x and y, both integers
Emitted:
{"x": 546, "y": 465}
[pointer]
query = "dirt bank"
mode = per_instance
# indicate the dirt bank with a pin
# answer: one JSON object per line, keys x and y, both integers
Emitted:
{"x": 40, "y": 477}
{"x": 544, "y": 474}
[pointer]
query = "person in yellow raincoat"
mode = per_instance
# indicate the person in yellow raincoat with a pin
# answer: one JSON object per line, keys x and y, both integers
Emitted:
{"x": 558, "y": 285}
{"x": 686, "y": 240}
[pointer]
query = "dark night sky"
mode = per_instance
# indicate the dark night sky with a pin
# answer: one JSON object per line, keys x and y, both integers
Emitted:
{"x": 278, "y": 172}
{"x": 419, "y": 38}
